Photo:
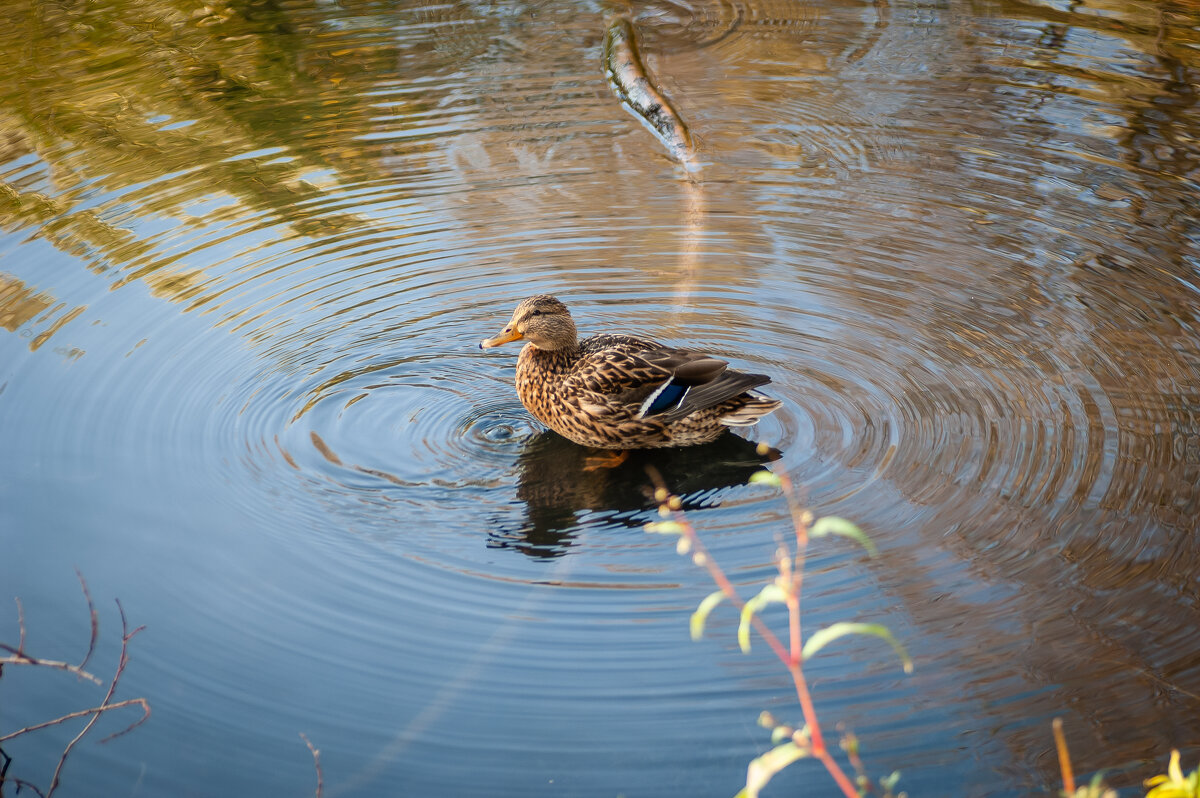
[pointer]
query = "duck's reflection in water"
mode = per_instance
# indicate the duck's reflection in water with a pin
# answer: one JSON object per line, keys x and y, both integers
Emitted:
{"x": 560, "y": 480}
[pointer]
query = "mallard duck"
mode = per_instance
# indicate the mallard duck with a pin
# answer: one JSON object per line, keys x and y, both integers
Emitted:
{"x": 621, "y": 392}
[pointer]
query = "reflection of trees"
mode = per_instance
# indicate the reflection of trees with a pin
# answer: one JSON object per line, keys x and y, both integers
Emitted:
{"x": 20, "y": 305}
{"x": 147, "y": 100}
{"x": 1156, "y": 102}
{"x": 114, "y": 97}
{"x": 1085, "y": 562}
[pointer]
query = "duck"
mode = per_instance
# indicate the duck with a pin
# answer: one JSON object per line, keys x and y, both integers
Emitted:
{"x": 621, "y": 392}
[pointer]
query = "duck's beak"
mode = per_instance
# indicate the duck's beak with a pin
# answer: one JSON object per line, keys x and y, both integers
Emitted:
{"x": 509, "y": 333}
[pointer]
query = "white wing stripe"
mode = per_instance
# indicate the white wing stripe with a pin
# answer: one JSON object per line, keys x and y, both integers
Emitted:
{"x": 641, "y": 413}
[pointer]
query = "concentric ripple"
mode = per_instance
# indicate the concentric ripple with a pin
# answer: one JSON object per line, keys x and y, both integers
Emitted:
{"x": 246, "y": 258}
{"x": 417, "y": 424}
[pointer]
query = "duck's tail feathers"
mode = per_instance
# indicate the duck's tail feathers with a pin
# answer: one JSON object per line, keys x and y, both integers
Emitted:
{"x": 752, "y": 411}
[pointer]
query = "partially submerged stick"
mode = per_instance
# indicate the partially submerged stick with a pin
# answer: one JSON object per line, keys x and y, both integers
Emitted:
{"x": 631, "y": 82}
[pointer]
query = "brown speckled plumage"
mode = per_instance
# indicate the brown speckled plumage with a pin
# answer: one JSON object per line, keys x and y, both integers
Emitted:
{"x": 621, "y": 392}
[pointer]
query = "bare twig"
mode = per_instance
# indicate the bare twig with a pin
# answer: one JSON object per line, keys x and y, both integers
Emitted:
{"x": 145, "y": 705}
{"x": 23, "y": 785}
{"x": 93, "y": 615}
{"x": 126, "y": 636}
{"x": 20, "y": 623}
{"x": 316, "y": 755}
{"x": 19, "y": 656}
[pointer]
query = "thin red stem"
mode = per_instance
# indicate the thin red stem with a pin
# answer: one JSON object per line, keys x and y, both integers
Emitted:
{"x": 838, "y": 774}
{"x": 793, "y": 605}
{"x": 1064, "y": 758}
{"x": 790, "y": 658}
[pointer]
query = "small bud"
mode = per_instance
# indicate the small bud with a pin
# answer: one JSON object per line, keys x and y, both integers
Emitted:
{"x": 684, "y": 545}
{"x": 806, "y": 518}
{"x": 699, "y": 559}
{"x": 663, "y": 510}
{"x": 781, "y": 733}
{"x": 674, "y": 503}
{"x": 763, "y": 449}
{"x": 765, "y": 478}
{"x": 766, "y": 720}
{"x": 660, "y": 495}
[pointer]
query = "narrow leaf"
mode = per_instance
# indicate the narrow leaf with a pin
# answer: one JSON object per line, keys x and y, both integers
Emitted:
{"x": 665, "y": 527}
{"x": 765, "y": 478}
{"x": 831, "y": 633}
{"x": 761, "y": 769}
{"x": 771, "y": 594}
{"x": 829, "y": 525}
{"x": 700, "y": 616}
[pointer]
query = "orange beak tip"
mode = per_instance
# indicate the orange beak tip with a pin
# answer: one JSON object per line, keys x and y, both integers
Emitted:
{"x": 503, "y": 338}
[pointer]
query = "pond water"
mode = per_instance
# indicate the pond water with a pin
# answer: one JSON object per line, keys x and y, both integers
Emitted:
{"x": 247, "y": 250}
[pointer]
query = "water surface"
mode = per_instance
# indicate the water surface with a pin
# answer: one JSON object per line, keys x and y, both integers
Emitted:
{"x": 247, "y": 250}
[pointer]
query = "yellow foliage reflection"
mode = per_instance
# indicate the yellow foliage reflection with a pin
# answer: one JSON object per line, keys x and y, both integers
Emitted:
{"x": 153, "y": 105}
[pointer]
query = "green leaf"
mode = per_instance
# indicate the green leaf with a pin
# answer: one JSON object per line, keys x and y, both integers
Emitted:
{"x": 665, "y": 527}
{"x": 761, "y": 769}
{"x": 771, "y": 594}
{"x": 765, "y": 478}
{"x": 829, "y": 525}
{"x": 700, "y": 616}
{"x": 1095, "y": 788}
{"x": 831, "y": 633}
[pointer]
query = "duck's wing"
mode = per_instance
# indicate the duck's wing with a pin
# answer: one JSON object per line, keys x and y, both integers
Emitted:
{"x": 661, "y": 382}
{"x": 698, "y": 381}
{"x": 611, "y": 374}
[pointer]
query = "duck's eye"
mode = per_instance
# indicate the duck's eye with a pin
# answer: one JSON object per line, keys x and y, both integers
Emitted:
{"x": 535, "y": 312}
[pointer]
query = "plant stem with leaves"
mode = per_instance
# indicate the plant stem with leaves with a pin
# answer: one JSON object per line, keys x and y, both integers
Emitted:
{"x": 785, "y": 589}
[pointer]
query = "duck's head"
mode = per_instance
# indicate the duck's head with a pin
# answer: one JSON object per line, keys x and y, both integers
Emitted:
{"x": 542, "y": 321}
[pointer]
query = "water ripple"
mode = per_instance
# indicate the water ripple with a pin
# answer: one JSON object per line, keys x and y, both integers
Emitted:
{"x": 240, "y": 292}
